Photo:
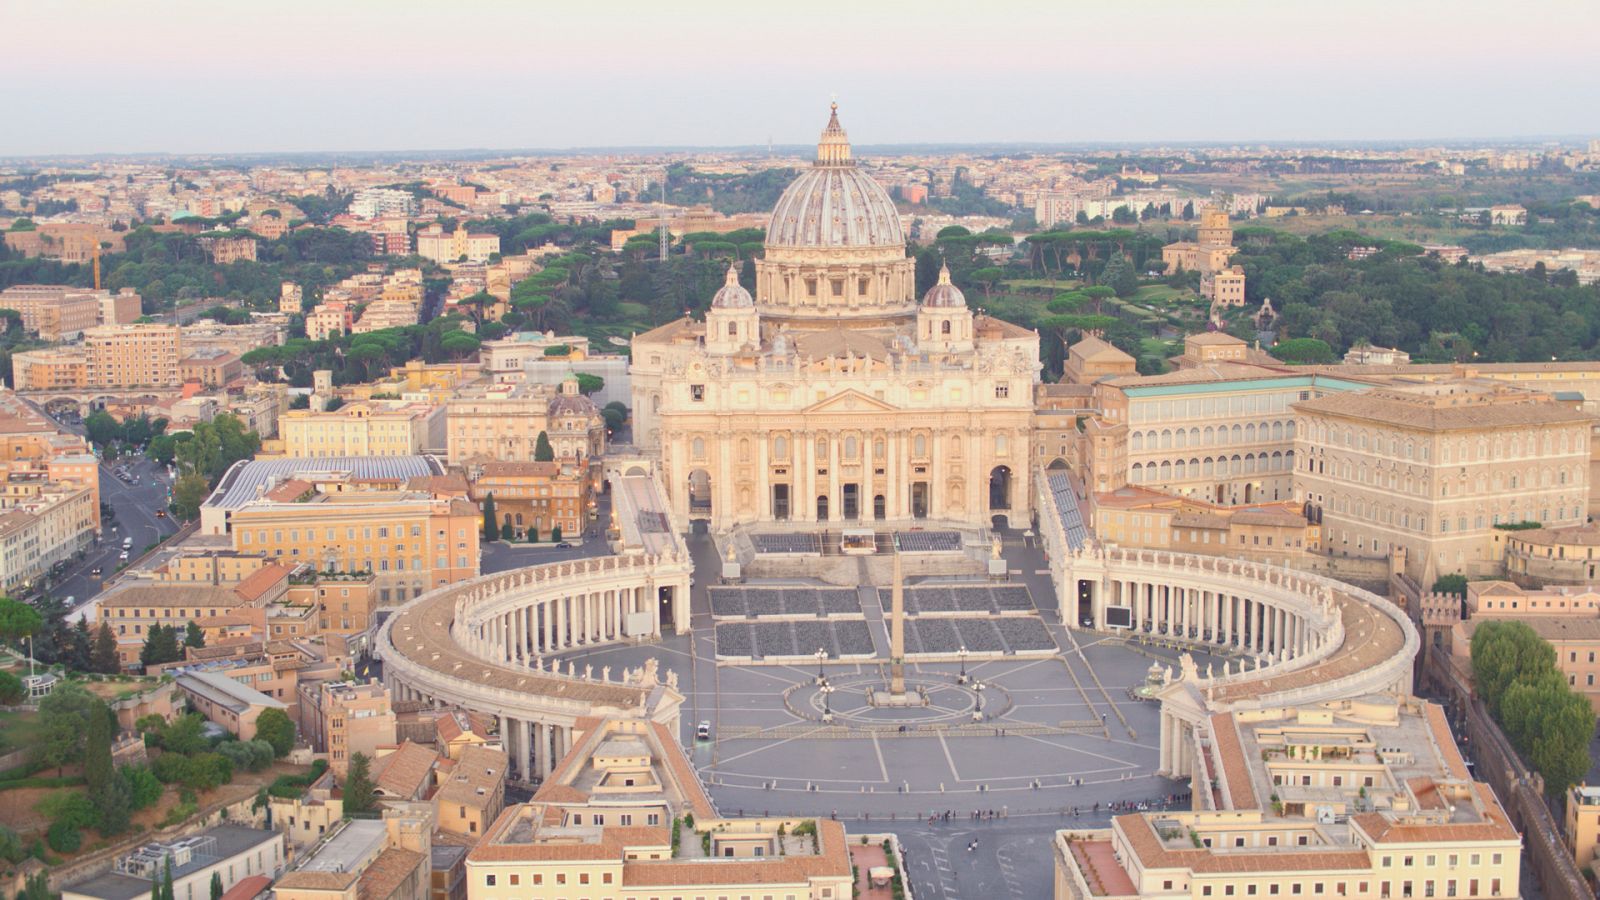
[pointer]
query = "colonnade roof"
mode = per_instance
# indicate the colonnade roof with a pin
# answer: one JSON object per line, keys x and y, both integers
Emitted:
{"x": 421, "y": 633}
{"x": 1371, "y": 638}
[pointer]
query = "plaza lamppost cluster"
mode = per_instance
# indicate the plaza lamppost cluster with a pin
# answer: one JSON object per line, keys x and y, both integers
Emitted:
{"x": 827, "y": 708}
{"x": 977, "y": 710}
{"x": 962, "y": 655}
{"x": 822, "y": 656}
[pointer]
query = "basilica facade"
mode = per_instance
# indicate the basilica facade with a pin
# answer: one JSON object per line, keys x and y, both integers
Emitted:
{"x": 834, "y": 395}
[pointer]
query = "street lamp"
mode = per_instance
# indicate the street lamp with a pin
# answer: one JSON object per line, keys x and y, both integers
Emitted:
{"x": 977, "y": 711}
{"x": 821, "y": 655}
{"x": 827, "y": 710}
{"x": 962, "y": 654}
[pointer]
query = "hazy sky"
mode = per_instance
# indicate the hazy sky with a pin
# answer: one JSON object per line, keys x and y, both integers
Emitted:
{"x": 232, "y": 75}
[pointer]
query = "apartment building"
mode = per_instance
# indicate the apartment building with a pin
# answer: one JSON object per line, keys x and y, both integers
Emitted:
{"x": 363, "y": 428}
{"x": 122, "y": 356}
{"x": 1434, "y": 469}
{"x": 503, "y": 421}
{"x": 472, "y": 793}
{"x": 534, "y": 497}
{"x": 330, "y": 318}
{"x": 1538, "y": 556}
{"x": 440, "y": 246}
{"x": 50, "y": 369}
{"x": 133, "y": 606}
{"x": 364, "y": 859}
{"x": 42, "y": 524}
{"x": 340, "y": 718}
{"x": 409, "y": 541}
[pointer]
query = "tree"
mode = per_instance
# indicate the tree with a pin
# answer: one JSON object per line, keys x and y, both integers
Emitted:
{"x": 216, "y": 886}
{"x": 589, "y": 384}
{"x": 555, "y": 533}
{"x": 64, "y": 838}
{"x": 101, "y": 428}
{"x": 1305, "y": 351}
{"x": 276, "y": 728}
{"x": 166, "y": 880}
{"x": 12, "y": 690}
{"x": 490, "y": 529}
{"x": 188, "y": 492}
{"x": 144, "y": 788}
{"x": 184, "y": 735}
{"x": 63, "y": 722}
{"x": 160, "y": 646}
{"x": 507, "y": 533}
{"x": 162, "y": 449}
{"x": 1119, "y": 276}
{"x": 542, "y": 451}
{"x": 97, "y": 769}
{"x": 360, "y": 795}
{"x": 193, "y": 635}
{"x": 18, "y": 620}
{"x": 104, "y": 658}
{"x": 1547, "y": 721}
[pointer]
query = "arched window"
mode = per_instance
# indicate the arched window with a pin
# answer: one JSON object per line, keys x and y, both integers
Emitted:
{"x": 877, "y": 449}
{"x": 744, "y": 449}
{"x": 822, "y": 449}
{"x": 1137, "y": 441}
{"x": 955, "y": 446}
{"x": 1137, "y": 472}
{"x": 780, "y": 447}
{"x": 850, "y": 447}
{"x": 919, "y": 446}
{"x": 944, "y": 327}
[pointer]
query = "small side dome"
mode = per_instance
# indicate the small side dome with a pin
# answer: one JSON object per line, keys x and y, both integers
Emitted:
{"x": 944, "y": 295}
{"x": 732, "y": 295}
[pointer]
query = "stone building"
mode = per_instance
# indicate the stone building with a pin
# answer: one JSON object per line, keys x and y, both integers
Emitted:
{"x": 1433, "y": 469}
{"x": 830, "y": 394}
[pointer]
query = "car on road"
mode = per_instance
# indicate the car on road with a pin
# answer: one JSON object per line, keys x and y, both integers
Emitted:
{"x": 127, "y": 543}
{"x": 95, "y": 571}
{"x": 161, "y": 514}
{"x": 123, "y": 556}
{"x": 702, "y": 732}
{"x": 564, "y": 545}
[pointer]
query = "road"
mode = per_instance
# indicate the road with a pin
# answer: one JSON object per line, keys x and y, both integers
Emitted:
{"x": 134, "y": 507}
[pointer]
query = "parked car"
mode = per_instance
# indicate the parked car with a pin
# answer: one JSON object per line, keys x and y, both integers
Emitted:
{"x": 123, "y": 556}
{"x": 702, "y": 732}
{"x": 161, "y": 514}
{"x": 564, "y": 545}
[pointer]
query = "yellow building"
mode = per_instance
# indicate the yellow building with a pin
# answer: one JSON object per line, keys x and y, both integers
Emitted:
{"x": 601, "y": 826}
{"x": 434, "y": 243}
{"x": 342, "y": 718}
{"x": 133, "y": 355}
{"x": 1583, "y": 823}
{"x": 409, "y": 541}
{"x": 1370, "y": 801}
{"x": 50, "y": 369}
{"x": 1432, "y": 469}
{"x": 502, "y": 422}
{"x": 830, "y": 394}
{"x": 1091, "y": 359}
{"x": 473, "y": 792}
{"x": 361, "y": 428}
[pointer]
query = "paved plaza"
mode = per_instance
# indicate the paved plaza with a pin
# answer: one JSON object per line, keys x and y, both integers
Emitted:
{"x": 1058, "y": 736}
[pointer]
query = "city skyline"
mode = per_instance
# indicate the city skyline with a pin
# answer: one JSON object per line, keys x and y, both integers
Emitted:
{"x": 367, "y": 77}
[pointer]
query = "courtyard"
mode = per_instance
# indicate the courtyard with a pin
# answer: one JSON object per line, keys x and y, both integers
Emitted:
{"x": 1060, "y": 741}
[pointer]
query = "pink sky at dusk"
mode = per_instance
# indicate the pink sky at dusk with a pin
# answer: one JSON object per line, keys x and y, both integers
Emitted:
{"x": 89, "y": 76}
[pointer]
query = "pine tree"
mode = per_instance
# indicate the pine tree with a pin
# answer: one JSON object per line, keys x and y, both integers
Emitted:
{"x": 97, "y": 769}
{"x": 490, "y": 529}
{"x": 193, "y": 636}
{"x": 360, "y": 795}
{"x": 216, "y": 885}
{"x": 82, "y": 645}
{"x": 166, "y": 881}
{"x": 160, "y": 646}
{"x": 104, "y": 657}
{"x": 542, "y": 451}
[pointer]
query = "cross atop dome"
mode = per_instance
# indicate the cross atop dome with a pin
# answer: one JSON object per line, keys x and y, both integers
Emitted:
{"x": 834, "y": 147}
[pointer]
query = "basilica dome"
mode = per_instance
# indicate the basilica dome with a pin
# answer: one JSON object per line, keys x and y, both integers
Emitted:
{"x": 732, "y": 295}
{"x": 835, "y": 204}
{"x": 944, "y": 295}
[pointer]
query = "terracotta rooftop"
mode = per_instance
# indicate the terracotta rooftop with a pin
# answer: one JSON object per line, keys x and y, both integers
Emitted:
{"x": 386, "y": 873}
{"x": 258, "y": 583}
{"x": 1235, "y": 768}
{"x": 1433, "y": 412}
{"x": 1154, "y": 854}
{"x": 406, "y": 772}
{"x": 478, "y": 779}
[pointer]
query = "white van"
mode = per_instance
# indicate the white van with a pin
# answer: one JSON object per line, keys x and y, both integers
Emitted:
{"x": 127, "y": 543}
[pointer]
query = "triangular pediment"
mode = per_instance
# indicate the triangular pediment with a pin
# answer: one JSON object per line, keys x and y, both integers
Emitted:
{"x": 849, "y": 401}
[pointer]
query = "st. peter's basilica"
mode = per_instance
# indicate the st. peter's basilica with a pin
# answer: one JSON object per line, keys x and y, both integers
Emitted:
{"x": 833, "y": 395}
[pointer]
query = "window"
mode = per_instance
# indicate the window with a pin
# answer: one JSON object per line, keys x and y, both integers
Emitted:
{"x": 697, "y": 392}
{"x": 515, "y": 879}
{"x": 1002, "y": 391}
{"x": 488, "y": 880}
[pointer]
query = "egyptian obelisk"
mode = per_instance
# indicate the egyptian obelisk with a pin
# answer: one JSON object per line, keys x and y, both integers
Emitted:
{"x": 897, "y": 632}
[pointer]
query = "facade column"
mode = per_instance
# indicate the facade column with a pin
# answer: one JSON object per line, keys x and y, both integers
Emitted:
{"x": 525, "y": 762}
{"x": 805, "y": 484}
{"x": 936, "y": 472}
{"x": 835, "y": 477}
{"x": 763, "y": 479}
{"x": 868, "y": 488}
